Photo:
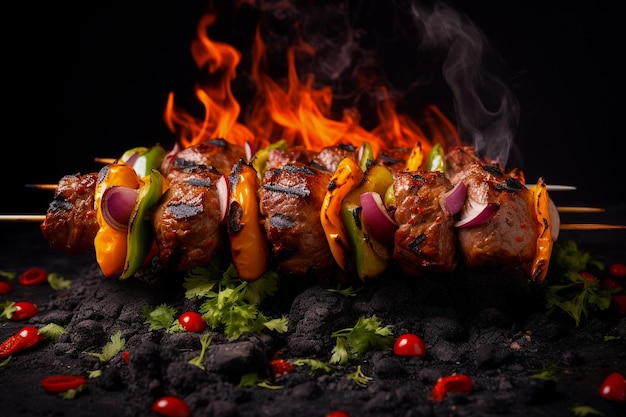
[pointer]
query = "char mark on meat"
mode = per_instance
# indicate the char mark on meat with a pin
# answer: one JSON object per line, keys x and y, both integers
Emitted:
{"x": 186, "y": 222}
{"x": 290, "y": 202}
{"x": 215, "y": 153}
{"x": 426, "y": 238}
{"x": 70, "y": 224}
{"x": 329, "y": 157}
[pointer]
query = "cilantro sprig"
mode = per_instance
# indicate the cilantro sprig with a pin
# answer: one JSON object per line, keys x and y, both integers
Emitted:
{"x": 232, "y": 304}
{"x": 568, "y": 290}
{"x": 367, "y": 334}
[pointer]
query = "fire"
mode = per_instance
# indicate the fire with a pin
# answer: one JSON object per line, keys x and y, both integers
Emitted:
{"x": 296, "y": 112}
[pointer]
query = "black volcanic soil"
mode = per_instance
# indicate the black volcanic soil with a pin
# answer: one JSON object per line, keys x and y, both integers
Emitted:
{"x": 490, "y": 327}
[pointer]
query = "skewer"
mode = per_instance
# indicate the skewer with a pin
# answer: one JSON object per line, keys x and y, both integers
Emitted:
{"x": 560, "y": 209}
{"x": 28, "y": 218}
{"x": 555, "y": 187}
{"x": 105, "y": 161}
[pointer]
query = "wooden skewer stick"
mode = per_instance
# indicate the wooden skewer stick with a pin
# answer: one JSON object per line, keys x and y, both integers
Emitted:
{"x": 43, "y": 186}
{"x": 105, "y": 161}
{"x": 575, "y": 209}
{"x": 564, "y": 226}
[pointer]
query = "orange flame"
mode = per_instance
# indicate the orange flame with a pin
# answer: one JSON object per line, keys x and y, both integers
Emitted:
{"x": 299, "y": 113}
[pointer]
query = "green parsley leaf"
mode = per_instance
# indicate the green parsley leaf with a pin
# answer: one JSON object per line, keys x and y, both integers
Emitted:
{"x": 359, "y": 378}
{"x": 316, "y": 367}
{"x": 159, "y": 318}
{"x": 58, "y": 282}
{"x": 111, "y": 349}
{"x": 7, "y": 275}
{"x": 367, "y": 334}
{"x": 585, "y": 410}
{"x": 52, "y": 331}
{"x": 8, "y": 308}
{"x": 548, "y": 373}
{"x": 253, "y": 380}
{"x": 205, "y": 341}
{"x": 346, "y": 292}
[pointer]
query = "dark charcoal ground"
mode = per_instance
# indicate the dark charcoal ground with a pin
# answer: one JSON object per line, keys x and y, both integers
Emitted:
{"x": 492, "y": 328}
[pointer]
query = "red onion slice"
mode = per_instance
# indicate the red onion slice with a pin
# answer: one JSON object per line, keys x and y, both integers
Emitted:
{"x": 223, "y": 195}
{"x": 132, "y": 159}
{"x": 118, "y": 203}
{"x": 168, "y": 161}
{"x": 379, "y": 224}
{"x": 452, "y": 202}
{"x": 475, "y": 213}
{"x": 555, "y": 220}
{"x": 249, "y": 151}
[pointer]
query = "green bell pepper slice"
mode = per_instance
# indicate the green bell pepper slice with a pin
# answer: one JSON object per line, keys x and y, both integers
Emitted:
{"x": 371, "y": 258}
{"x": 259, "y": 160}
{"x": 436, "y": 159}
{"x": 146, "y": 160}
{"x": 140, "y": 233}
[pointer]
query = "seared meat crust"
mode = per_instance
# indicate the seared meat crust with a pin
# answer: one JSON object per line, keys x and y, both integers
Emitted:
{"x": 186, "y": 222}
{"x": 216, "y": 153}
{"x": 290, "y": 201}
{"x": 70, "y": 224}
{"x": 426, "y": 238}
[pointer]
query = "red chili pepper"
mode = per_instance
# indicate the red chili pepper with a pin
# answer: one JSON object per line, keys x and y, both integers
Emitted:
{"x": 24, "y": 338}
{"x": 171, "y": 407}
{"x": 33, "y": 276}
{"x": 280, "y": 367}
{"x": 451, "y": 383}
{"x": 618, "y": 270}
{"x": 5, "y": 287}
{"x": 614, "y": 388}
{"x": 23, "y": 310}
{"x": 612, "y": 286}
{"x": 62, "y": 383}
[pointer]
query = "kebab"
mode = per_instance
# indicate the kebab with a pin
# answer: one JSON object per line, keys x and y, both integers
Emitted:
{"x": 288, "y": 182}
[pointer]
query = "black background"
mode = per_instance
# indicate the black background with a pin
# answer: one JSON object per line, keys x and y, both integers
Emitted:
{"x": 91, "y": 79}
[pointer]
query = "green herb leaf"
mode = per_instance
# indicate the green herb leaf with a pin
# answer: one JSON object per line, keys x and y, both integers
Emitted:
{"x": 359, "y": 378}
{"x": 159, "y": 318}
{"x": 52, "y": 331}
{"x": 7, "y": 275}
{"x": 8, "y": 308}
{"x": 346, "y": 292}
{"x": 367, "y": 334}
{"x": 585, "y": 410}
{"x": 316, "y": 367}
{"x": 111, "y": 349}
{"x": 548, "y": 373}
{"x": 58, "y": 282}
{"x": 205, "y": 341}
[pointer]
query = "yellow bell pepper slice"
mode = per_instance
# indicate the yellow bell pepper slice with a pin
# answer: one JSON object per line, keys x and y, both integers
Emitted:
{"x": 248, "y": 243}
{"x": 346, "y": 177}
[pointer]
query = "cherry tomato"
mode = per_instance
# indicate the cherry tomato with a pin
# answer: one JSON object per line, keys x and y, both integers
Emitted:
{"x": 23, "y": 310}
{"x": 618, "y": 303}
{"x": 61, "y": 383}
{"x": 5, "y": 287}
{"x": 280, "y": 367}
{"x": 614, "y": 388}
{"x": 451, "y": 383}
{"x": 617, "y": 270}
{"x": 588, "y": 276}
{"x": 33, "y": 276}
{"x": 24, "y": 338}
{"x": 338, "y": 413}
{"x": 409, "y": 345}
{"x": 192, "y": 322}
{"x": 170, "y": 406}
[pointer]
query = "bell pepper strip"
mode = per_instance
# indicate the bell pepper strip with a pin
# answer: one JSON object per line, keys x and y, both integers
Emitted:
{"x": 370, "y": 257}
{"x": 57, "y": 384}
{"x": 140, "y": 234}
{"x": 24, "y": 338}
{"x": 415, "y": 159}
{"x": 259, "y": 160}
{"x": 451, "y": 383}
{"x": 435, "y": 160}
{"x": 346, "y": 177}
{"x": 543, "y": 251}
{"x": 144, "y": 160}
{"x": 248, "y": 244}
{"x": 111, "y": 244}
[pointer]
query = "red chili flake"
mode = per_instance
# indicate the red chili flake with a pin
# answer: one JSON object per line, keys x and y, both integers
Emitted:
{"x": 125, "y": 356}
{"x": 523, "y": 225}
{"x": 420, "y": 210}
{"x": 451, "y": 383}
{"x": 280, "y": 367}
{"x": 33, "y": 276}
{"x": 61, "y": 383}
{"x": 518, "y": 238}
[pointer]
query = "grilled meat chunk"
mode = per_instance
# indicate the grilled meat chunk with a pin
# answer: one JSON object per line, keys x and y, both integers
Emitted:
{"x": 426, "y": 238}
{"x": 394, "y": 158}
{"x": 70, "y": 224}
{"x": 329, "y": 157}
{"x": 187, "y": 220}
{"x": 290, "y": 200}
{"x": 508, "y": 240}
{"x": 216, "y": 153}
{"x": 279, "y": 157}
